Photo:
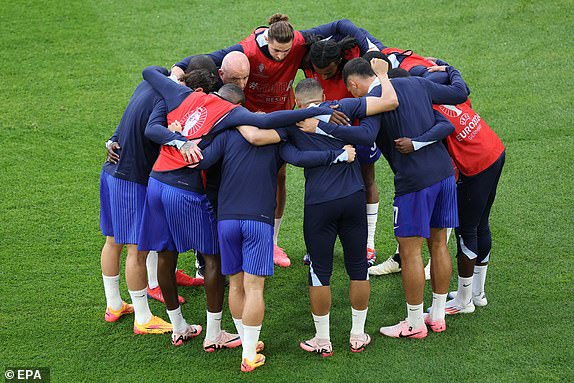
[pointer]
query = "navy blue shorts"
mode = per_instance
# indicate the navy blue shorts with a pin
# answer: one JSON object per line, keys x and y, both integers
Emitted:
{"x": 432, "y": 207}
{"x": 246, "y": 245}
{"x": 177, "y": 220}
{"x": 367, "y": 154}
{"x": 322, "y": 223}
{"x": 121, "y": 208}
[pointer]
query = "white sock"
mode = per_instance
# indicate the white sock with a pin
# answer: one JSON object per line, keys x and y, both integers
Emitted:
{"x": 239, "y": 327}
{"x": 141, "y": 307}
{"x": 151, "y": 265}
{"x": 415, "y": 315}
{"x": 251, "y": 337}
{"x": 448, "y": 233}
{"x": 112, "y": 290}
{"x": 438, "y": 304}
{"x": 213, "y": 325}
{"x": 359, "y": 319}
{"x": 321, "y": 326}
{"x": 276, "y": 229}
{"x": 372, "y": 215}
{"x": 478, "y": 280}
{"x": 176, "y": 318}
{"x": 464, "y": 292}
{"x": 397, "y": 251}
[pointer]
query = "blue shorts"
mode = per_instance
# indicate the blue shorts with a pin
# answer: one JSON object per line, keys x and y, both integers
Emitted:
{"x": 177, "y": 220}
{"x": 432, "y": 207}
{"x": 246, "y": 245}
{"x": 121, "y": 208}
{"x": 367, "y": 154}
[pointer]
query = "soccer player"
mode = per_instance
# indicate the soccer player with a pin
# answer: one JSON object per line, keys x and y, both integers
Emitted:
{"x": 275, "y": 54}
{"x": 245, "y": 223}
{"x": 328, "y": 57}
{"x": 335, "y": 206}
{"x": 425, "y": 196}
{"x": 173, "y": 186}
{"x": 123, "y": 185}
{"x": 479, "y": 156}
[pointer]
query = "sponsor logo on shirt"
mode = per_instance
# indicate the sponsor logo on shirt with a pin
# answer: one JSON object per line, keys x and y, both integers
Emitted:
{"x": 261, "y": 68}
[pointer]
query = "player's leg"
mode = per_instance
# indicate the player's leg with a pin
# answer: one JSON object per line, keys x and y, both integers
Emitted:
{"x": 412, "y": 215}
{"x": 367, "y": 157}
{"x": 110, "y": 254}
{"x": 279, "y": 256}
{"x": 320, "y": 232}
{"x": 352, "y": 232}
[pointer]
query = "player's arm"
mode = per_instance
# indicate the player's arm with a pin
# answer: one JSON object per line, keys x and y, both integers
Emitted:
{"x": 364, "y": 134}
{"x": 344, "y": 27}
{"x": 242, "y": 116}
{"x": 178, "y": 69}
{"x": 439, "y": 131}
{"x": 259, "y": 137}
{"x": 388, "y": 99}
{"x": 157, "y": 77}
{"x": 313, "y": 158}
{"x": 455, "y": 93}
{"x": 157, "y": 131}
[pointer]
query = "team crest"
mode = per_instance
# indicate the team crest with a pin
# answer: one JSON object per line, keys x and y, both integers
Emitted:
{"x": 261, "y": 68}
{"x": 194, "y": 121}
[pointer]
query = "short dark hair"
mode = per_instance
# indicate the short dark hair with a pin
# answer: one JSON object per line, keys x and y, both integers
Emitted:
{"x": 357, "y": 67}
{"x": 324, "y": 52}
{"x": 232, "y": 93}
{"x": 398, "y": 72}
{"x": 377, "y": 55}
{"x": 308, "y": 85}
{"x": 200, "y": 78}
{"x": 201, "y": 62}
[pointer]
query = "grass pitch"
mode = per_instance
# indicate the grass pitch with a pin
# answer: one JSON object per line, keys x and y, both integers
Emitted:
{"x": 68, "y": 70}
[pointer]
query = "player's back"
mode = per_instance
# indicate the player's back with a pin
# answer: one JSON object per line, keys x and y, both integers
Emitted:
{"x": 137, "y": 153}
{"x": 413, "y": 117}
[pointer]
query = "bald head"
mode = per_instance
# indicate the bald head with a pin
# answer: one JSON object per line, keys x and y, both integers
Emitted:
{"x": 235, "y": 69}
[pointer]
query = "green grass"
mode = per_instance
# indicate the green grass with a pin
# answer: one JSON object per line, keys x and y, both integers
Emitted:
{"x": 68, "y": 70}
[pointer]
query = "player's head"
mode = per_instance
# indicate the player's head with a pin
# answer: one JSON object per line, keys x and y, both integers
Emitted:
{"x": 280, "y": 36}
{"x": 377, "y": 55}
{"x": 308, "y": 91}
{"x": 200, "y": 79}
{"x": 201, "y": 62}
{"x": 398, "y": 72}
{"x": 327, "y": 56}
{"x": 235, "y": 69}
{"x": 232, "y": 93}
{"x": 358, "y": 76}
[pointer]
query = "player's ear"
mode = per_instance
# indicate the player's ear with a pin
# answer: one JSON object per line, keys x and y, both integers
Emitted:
{"x": 220, "y": 72}
{"x": 324, "y": 98}
{"x": 198, "y": 90}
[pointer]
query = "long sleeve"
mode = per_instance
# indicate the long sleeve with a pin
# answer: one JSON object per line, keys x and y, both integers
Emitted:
{"x": 341, "y": 28}
{"x": 157, "y": 77}
{"x": 213, "y": 152}
{"x": 364, "y": 134}
{"x": 439, "y": 131}
{"x": 157, "y": 132}
{"x": 455, "y": 93}
{"x": 216, "y": 56}
{"x": 307, "y": 159}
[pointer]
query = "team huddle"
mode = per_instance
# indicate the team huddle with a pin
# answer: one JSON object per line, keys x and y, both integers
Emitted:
{"x": 198, "y": 160}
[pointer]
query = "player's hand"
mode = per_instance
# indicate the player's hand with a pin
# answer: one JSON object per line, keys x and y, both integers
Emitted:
{"x": 404, "y": 145}
{"x": 437, "y": 68}
{"x": 433, "y": 59}
{"x": 308, "y": 125}
{"x": 175, "y": 127}
{"x": 339, "y": 118}
{"x": 112, "y": 156}
{"x": 379, "y": 66}
{"x": 191, "y": 152}
{"x": 351, "y": 152}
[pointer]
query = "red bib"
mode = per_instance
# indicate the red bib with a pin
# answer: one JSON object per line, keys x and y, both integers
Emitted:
{"x": 198, "y": 113}
{"x": 270, "y": 85}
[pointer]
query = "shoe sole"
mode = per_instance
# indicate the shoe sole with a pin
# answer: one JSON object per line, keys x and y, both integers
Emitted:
{"x": 151, "y": 331}
{"x": 214, "y": 347}
{"x": 310, "y": 349}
